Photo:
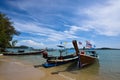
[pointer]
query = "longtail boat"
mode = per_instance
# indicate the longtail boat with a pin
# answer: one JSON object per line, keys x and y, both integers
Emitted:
{"x": 81, "y": 57}
{"x": 23, "y": 53}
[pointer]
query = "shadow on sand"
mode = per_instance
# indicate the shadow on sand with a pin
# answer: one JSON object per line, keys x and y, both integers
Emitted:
{"x": 73, "y": 68}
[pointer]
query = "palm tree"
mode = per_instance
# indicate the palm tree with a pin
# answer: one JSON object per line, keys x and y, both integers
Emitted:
{"x": 7, "y": 31}
{"x": 13, "y": 43}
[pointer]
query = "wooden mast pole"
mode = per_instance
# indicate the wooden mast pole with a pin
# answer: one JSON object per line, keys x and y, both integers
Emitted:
{"x": 77, "y": 52}
{"x": 75, "y": 46}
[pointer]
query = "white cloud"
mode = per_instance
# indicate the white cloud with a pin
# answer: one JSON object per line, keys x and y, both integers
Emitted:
{"x": 31, "y": 43}
{"x": 50, "y": 34}
{"x": 33, "y": 28}
{"x": 36, "y": 10}
{"x": 74, "y": 29}
{"x": 104, "y": 19}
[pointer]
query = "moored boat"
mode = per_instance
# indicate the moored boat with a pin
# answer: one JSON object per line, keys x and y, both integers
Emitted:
{"x": 56, "y": 61}
{"x": 81, "y": 57}
{"x": 23, "y": 53}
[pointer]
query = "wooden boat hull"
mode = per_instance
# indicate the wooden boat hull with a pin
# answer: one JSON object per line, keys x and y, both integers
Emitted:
{"x": 84, "y": 61}
{"x": 24, "y": 53}
{"x": 57, "y": 62}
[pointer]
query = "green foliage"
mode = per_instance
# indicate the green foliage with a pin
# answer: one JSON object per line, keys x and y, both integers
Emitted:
{"x": 7, "y": 31}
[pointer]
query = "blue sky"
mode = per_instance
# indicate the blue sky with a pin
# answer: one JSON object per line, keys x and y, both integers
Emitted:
{"x": 46, "y": 23}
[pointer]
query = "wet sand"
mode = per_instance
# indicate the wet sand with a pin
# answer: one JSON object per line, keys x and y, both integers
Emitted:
{"x": 11, "y": 69}
{"x": 53, "y": 74}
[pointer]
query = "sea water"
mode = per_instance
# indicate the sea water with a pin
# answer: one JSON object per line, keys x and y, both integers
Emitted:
{"x": 16, "y": 50}
{"x": 107, "y": 67}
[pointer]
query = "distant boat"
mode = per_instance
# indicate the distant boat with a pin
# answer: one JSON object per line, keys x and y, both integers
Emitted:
{"x": 83, "y": 59}
{"x": 22, "y": 52}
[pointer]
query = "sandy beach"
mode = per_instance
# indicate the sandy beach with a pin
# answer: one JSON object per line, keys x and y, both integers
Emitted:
{"x": 53, "y": 74}
{"x": 27, "y": 68}
{"x": 11, "y": 69}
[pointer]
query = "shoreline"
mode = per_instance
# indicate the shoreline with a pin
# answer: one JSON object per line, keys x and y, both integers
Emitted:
{"x": 11, "y": 69}
{"x": 15, "y": 70}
